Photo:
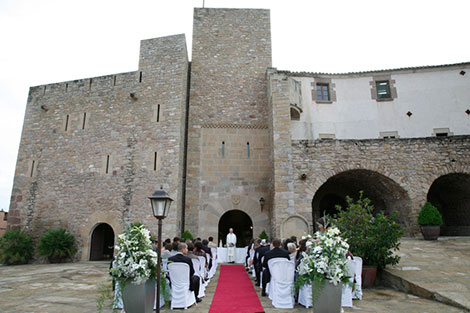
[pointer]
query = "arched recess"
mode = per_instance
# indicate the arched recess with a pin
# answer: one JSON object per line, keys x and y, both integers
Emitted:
{"x": 294, "y": 113}
{"x": 385, "y": 193}
{"x": 294, "y": 225}
{"x": 451, "y": 195}
{"x": 242, "y": 227}
{"x": 102, "y": 243}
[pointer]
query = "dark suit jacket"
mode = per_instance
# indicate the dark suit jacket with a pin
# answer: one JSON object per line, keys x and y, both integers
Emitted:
{"x": 179, "y": 257}
{"x": 275, "y": 253}
{"x": 259, "y": 253}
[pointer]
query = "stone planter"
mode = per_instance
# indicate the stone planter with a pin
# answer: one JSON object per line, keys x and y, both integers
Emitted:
{"x": 139, "y": 298}
{"x": 430, "y": 232}
{"x": 329, "y": 299}
{"x": 368, "y": 276}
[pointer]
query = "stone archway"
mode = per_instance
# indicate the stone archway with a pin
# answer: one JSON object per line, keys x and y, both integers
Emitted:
{"x": 385, "y": 193}
{"x": 451, "y": 195}
{"x": 294, "y": 225}
{"x": 242, "y": 227}
{"x": 102, "y": 243}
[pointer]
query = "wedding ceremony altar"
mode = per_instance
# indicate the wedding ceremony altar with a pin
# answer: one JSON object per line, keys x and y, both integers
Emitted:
{"x": 240, "y": 255}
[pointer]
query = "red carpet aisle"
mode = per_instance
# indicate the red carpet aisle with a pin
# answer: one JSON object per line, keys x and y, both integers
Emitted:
{"x": 235, "y": 292}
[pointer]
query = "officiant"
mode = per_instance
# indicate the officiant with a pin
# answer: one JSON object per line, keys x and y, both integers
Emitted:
{"x": 231, "y": 245}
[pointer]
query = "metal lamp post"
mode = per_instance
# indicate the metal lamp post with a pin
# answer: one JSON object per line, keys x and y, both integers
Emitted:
{"x": 161, "y": 202}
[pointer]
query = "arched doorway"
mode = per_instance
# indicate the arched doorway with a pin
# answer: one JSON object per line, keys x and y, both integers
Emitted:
{"x": 102, "y": 243}
{"x": 241, "y": 224}
{"x": 386, "y": 194}
{"x": 451, "y": 195}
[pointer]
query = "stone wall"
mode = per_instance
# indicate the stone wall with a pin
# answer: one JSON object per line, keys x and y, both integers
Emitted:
{"x": 88, "y": 148}
{"x": 398, "y": 173}
{"x": 228, "y": 103}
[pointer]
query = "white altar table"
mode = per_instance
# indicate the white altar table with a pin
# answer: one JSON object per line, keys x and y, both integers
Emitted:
{"x": 240, "y": 255}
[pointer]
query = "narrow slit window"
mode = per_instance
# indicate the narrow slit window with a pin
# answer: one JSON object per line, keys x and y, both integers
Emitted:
{"x": 91, "y": 82}
{"x": 66, "y": 87}
{"x": 158, "y": 113}
{"x": 140, "y": 77}
{"x": 32, "y": 168}
{"x": 107, "y": 164}
{"x": 248, "y": 149}
{"x": 114, "y": 80}
{"x": 44, "y": 92}
{"x": 67, "y": 122}
{"x": 84, "y": 120}
{"x": 155, "y": 160}
{"x": 223, "y": 148}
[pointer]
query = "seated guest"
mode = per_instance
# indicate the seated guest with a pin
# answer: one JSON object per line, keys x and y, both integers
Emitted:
{"x": 292, "y": 249}
{"x": 275, "y": 252}
{"x": 180, "y": 256}
{"x": 198, "y": 249}
{"x": 190, "y": 253}
{"x": 166, "y": 251}
{"x": 208, "y": 251}
{"x": 211, "y": 243}
{"x": 174, "y": 247}
{"x": 302, "y": 248}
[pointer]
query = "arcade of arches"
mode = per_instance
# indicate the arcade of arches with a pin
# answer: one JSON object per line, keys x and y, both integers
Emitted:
{"x": 102, "y": 243}
{"x": 385, "y": 194}
{"x": 451, "y": 195}
{"x": 242, "y": 227}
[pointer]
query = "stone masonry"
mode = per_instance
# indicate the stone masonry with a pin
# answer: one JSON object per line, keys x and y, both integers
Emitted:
{"x": 217, "y": 134}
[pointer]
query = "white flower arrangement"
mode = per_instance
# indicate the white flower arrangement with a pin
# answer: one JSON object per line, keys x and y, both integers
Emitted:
{"x": 326, "y": 261}
{"x": 135, "y": 260}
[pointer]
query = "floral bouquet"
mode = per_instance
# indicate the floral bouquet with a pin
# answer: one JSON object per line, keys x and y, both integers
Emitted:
{"x": 135, "y": 261}
{"x": 325, "y": 262}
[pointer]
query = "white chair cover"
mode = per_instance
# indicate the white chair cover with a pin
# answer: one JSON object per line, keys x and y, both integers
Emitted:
{"x": 181, "y": 296}
{"x": 357, "y": 292}
{"x": 202, "y": 260}
{"x": 305, "y": 293}
{"x": 214, "y": 263}
{"x": 282, "y": 281}
{"x": 162, "y": 298}
{"x": 197, "y": 270}
{"x": 346, "y": 294}
{"x": 252, "y": 268}
{"x": 117, "y": 302}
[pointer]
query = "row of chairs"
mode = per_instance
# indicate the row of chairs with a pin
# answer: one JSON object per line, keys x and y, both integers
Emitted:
{"x": 181, "y": 296}
{"x": 279, "y": 289}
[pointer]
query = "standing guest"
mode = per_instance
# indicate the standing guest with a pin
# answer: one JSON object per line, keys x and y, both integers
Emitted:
{"x": 180, "y": 256}
{"x": 231, "y": 244}
{"x": 259, "y": 253}
{"x": 211, "y": 243}
{"x": 275, "y": 252}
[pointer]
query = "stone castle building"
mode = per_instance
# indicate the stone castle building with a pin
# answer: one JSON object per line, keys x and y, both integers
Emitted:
{"x": 227, "y": 129}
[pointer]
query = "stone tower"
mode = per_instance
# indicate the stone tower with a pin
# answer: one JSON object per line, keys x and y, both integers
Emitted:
{"x": 228, "y": 145}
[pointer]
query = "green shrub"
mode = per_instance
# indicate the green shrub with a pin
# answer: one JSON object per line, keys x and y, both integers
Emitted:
{"x": 263, "y": 235}
{"x": 429, "y": 216}
{"x": 16, "y": 247}
{"x": 373, "y": 238}
{"x": 187, "y": 235}
{"x": 57, "y": 245}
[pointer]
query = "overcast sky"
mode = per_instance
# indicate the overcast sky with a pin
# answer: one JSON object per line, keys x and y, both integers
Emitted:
{"x": 47, "y": 41}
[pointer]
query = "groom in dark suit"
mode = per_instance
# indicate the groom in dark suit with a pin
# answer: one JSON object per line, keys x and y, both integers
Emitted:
{"x": 275, "y": 252}
{"x": 180, "y": 256}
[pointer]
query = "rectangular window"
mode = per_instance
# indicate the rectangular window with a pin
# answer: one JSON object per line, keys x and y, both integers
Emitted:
{"x": 66, "y": 122}
{"x": 323, "y": 92}
{"x": 107, "y": 164}
{"x": 248, "y": 149}
{"x": 158, "y": 113}
{"x": 84, "y": 120}
{"x": 383, "y": 89}
{"x": 5, "y": 216}
{"x": 155, "y": 160}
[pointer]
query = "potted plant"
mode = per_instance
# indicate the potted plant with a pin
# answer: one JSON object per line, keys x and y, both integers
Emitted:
{"x": 57, "y": 245}
{"x": 135, "y": 269}
{"x": 325, "y": 268}
{"x": 430, "y": 221}
{"x": 374, "y": 238}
